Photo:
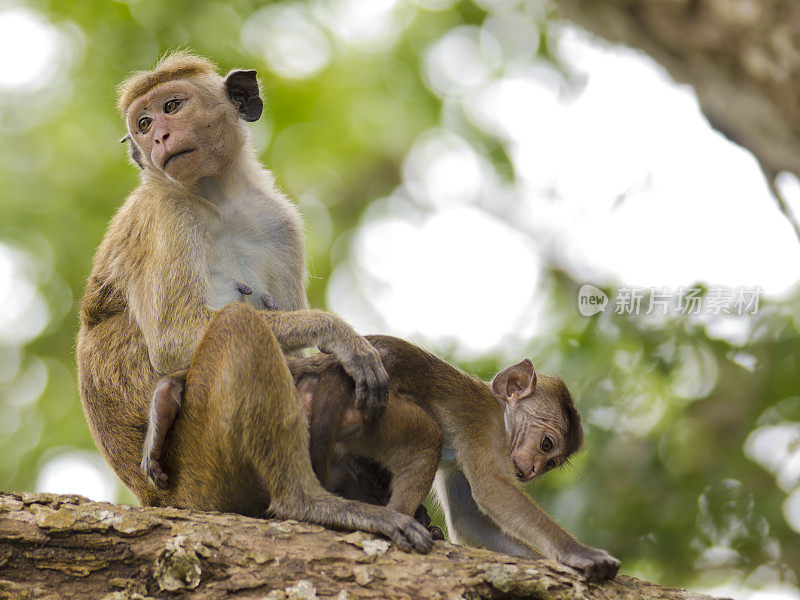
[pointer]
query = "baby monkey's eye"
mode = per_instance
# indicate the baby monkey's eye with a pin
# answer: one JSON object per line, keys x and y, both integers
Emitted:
{"x": 550, "y": 464}
{"x": 144, "y": 124}
{"x": 172, "y": 105}
{"x": 547, "y": 444}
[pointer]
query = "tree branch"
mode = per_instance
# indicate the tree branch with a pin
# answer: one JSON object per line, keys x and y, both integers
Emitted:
{"x": 741, "y": 57}
{"x": 69, "y": 547}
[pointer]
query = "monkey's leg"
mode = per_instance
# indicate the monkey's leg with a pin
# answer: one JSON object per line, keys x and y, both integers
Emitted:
{"x": 240, "y": 443}
{"x": 412, "y": 446}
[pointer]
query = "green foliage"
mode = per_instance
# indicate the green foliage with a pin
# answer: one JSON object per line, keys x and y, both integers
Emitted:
{"x": 668, "y": 407}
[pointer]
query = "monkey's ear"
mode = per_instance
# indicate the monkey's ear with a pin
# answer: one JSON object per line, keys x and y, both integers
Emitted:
{"x": 516, "y": 382}
{"x": 135, "y": 155}
{"x": 242, "y": 88}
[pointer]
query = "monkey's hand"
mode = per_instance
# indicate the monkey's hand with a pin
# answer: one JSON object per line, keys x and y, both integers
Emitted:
{"x": 151, "y": 466}
{"x": 363, "y": 363}
{"x": 594, "y": 563}
{"x": 151, "y": 456}
{"x": 163, "y": 409}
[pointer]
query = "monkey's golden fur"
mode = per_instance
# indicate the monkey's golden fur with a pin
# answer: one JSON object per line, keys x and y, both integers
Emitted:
{"x": 175, "y": 65}
{"x": 116, "y": 371}
{"x": 432, "y": 402}
{"x": 159, "y": 300}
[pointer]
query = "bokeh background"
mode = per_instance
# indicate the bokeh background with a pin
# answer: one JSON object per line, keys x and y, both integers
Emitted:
{"x": 464, "y": 167}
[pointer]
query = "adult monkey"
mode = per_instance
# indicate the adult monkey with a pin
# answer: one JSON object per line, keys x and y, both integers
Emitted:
{"x": 203, "y": 234}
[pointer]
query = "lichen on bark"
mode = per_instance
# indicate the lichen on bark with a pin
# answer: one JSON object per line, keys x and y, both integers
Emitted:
{"x": 68, "y": 547}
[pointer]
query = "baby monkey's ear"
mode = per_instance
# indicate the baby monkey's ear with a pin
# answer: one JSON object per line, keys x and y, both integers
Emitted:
{"x": 242, "y": 88}
{"x": 516, "y": 382}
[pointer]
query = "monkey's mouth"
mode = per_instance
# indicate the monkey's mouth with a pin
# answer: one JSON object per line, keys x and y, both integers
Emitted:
{"x": 176, "y": 155}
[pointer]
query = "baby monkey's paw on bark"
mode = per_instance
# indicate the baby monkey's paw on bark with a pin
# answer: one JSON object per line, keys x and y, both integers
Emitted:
{"x": 594, "y": 563}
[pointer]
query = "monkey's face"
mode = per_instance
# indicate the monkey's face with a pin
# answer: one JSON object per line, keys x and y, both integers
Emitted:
{"x": 185, "y": 129}
{"x": 534, "y": 419}
{"x": 536, "y": 427}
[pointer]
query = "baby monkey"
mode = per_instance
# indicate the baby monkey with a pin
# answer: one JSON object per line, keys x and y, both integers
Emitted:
{"x": 475, "y": 438}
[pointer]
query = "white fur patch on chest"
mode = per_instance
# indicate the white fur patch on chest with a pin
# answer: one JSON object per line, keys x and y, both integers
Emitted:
{"x": 246, "y": 250}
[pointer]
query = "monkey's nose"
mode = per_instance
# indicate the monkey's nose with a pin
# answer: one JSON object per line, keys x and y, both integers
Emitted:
{"x": 518, "y": 471}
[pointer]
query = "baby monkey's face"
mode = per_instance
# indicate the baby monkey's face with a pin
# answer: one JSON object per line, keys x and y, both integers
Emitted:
{"x": 540, "y": 418}
{"x": 538, "y": 444}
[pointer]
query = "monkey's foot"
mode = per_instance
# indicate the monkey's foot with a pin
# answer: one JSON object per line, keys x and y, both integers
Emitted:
{"x": 407, "y": 533}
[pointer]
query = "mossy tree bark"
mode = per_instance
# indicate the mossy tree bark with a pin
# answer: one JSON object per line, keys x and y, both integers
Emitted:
{"x": 68, "y": 547}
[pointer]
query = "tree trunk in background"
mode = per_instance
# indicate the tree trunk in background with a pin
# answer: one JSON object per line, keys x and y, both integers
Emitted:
{"x": 742, "y": 57}
{"x": 61, "y": 547}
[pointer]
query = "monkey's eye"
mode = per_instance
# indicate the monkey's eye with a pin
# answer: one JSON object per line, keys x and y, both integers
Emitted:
{"x": 144, "y": 124}
{"x": 172, "y": 105}
{"x": 550, "y": 464}
{"x": 547, "y": 444}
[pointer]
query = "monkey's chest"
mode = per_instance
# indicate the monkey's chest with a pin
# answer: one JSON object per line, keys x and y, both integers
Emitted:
{"x": 242, "y": 268}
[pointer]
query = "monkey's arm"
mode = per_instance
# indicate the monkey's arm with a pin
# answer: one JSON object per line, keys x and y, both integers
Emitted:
{"x": 465, "y": 521}
{"x": 169, "y": 297}
{"x": 496, "y": 494}
{"x": 303, "y": 328}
